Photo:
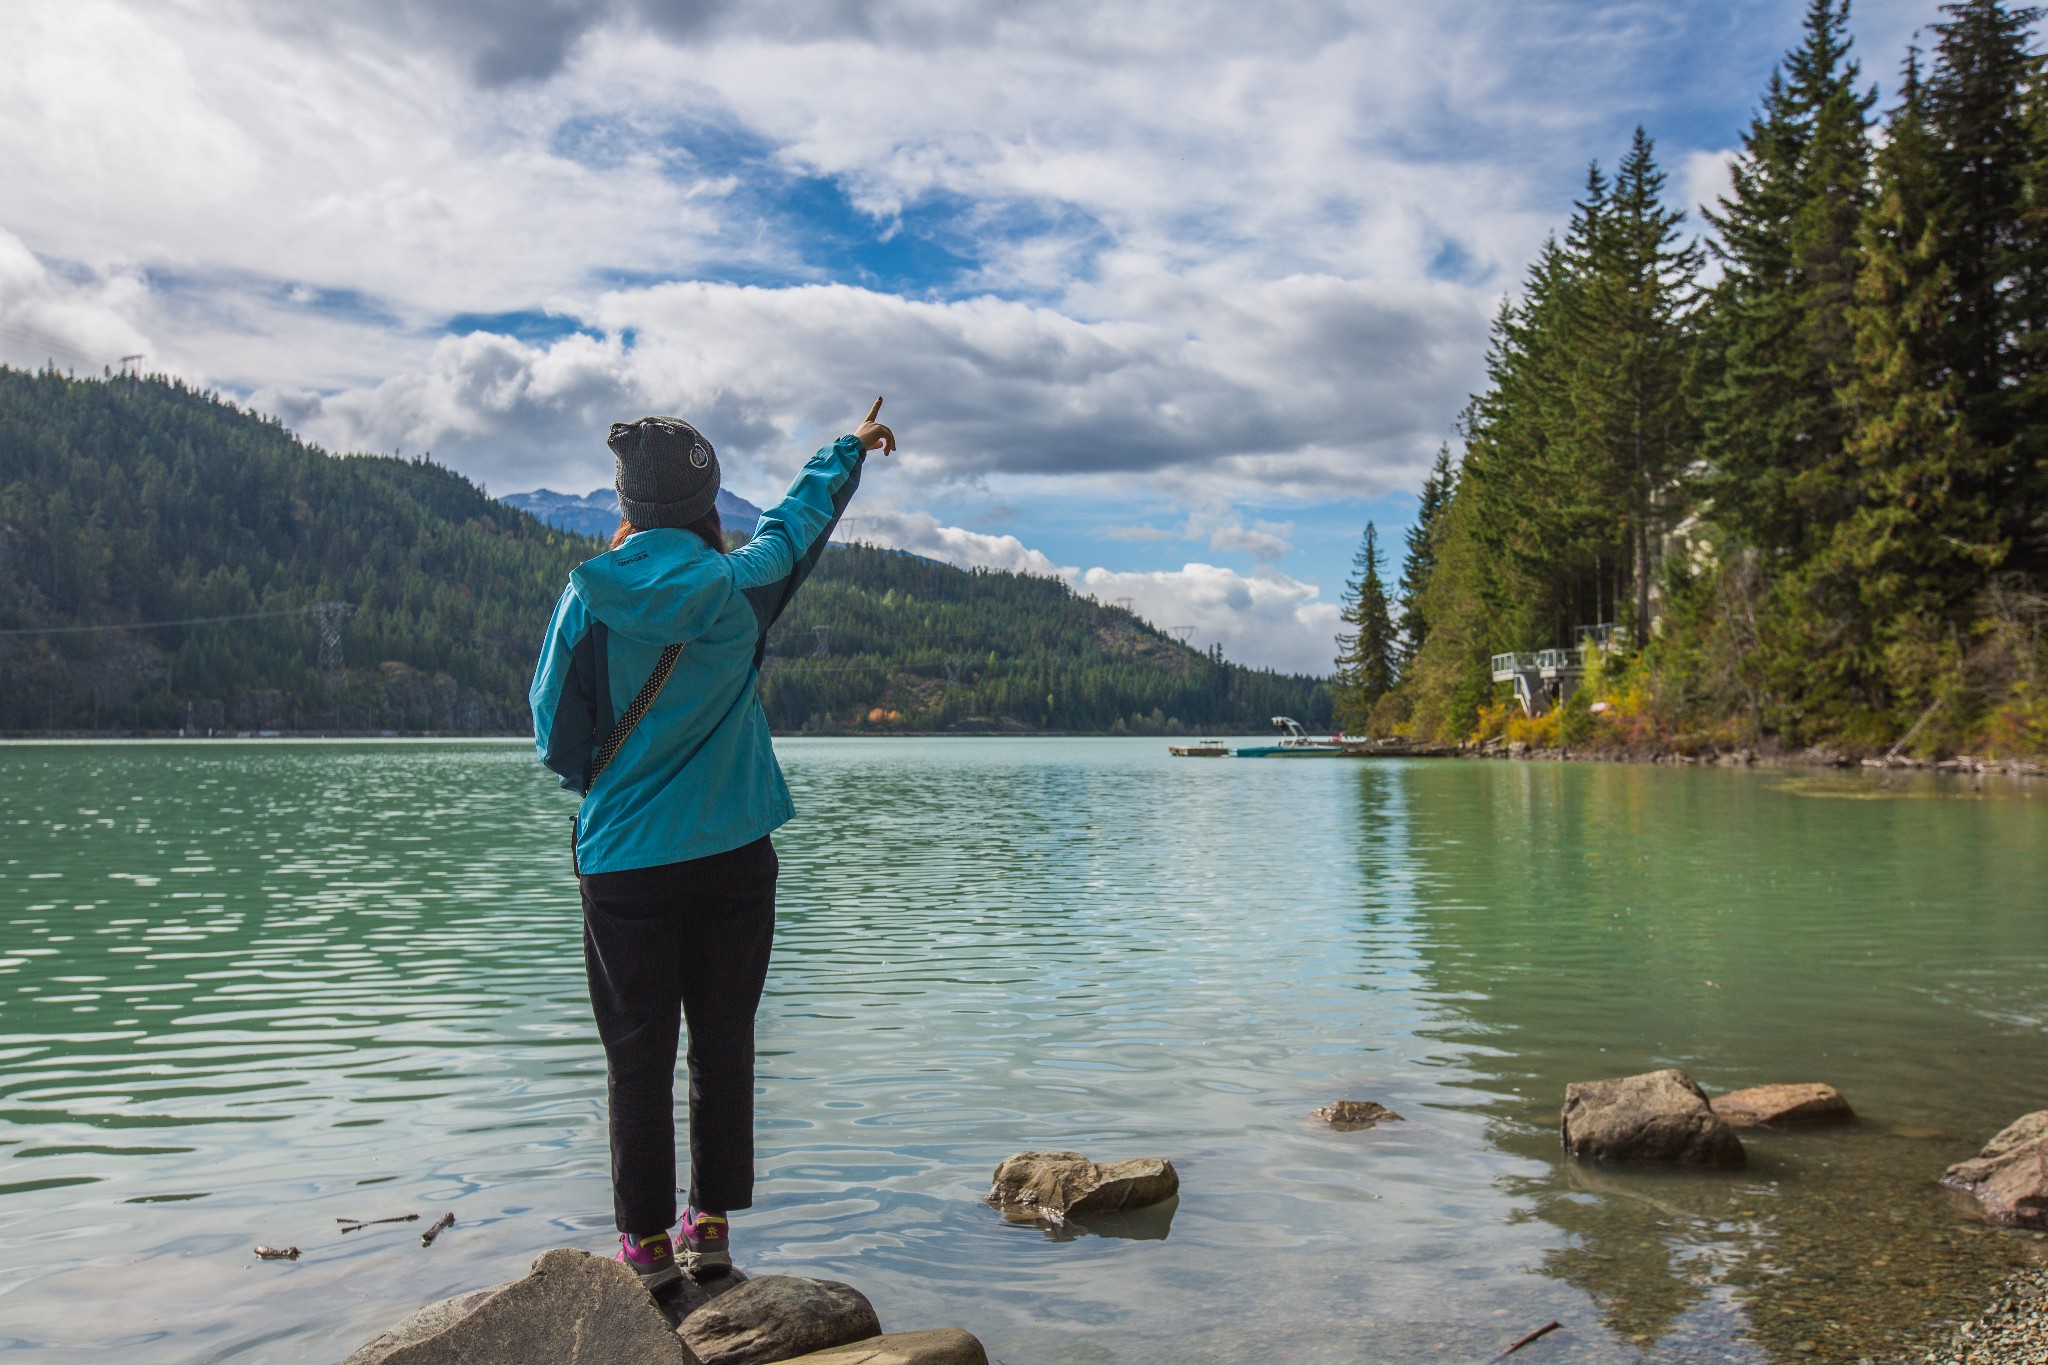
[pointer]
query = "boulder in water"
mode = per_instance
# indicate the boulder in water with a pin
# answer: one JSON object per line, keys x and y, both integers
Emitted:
{"x": 778, "y": 1317}
{"x": 1763, "y": 1106}
{"x": 1053, "y": 1185}
{"x": 1660, "y": 1116}
{"x": 2009, "y": 1178}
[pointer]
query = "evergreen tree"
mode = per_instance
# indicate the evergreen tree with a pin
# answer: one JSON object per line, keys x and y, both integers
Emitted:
{"x": 1630, "y": 392}
{"x": 1780, "y": 341}
{"x": 1415, "y": 570}
{"x": 1982, "y": 155}
{"x": 1365, "y": 653}
{"x": 1927, "y": 530}
{"x": 1989, "y": 158}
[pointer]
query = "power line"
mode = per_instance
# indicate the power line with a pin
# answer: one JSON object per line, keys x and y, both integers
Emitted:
{"x": 44, "y": 341}
{"x": 187, "y": 621}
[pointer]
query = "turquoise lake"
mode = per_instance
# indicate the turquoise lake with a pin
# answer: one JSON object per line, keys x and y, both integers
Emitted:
{"x": 250, "y": 988}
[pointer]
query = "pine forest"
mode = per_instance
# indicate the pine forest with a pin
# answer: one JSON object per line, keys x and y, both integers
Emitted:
{"x": 1783, "y": 484}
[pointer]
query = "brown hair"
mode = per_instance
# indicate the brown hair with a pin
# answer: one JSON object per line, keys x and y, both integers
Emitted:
{"x": 708, "y": 529}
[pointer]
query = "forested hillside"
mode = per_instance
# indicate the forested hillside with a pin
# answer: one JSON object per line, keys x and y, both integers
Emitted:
{"x": 142, "y": 501}
{"x": 885, "y": 640}
{"x": 125, "y": 503}
{"x": 1809, "y": 489}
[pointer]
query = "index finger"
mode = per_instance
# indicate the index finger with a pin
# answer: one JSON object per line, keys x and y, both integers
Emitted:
{"x": 874, "y": 410}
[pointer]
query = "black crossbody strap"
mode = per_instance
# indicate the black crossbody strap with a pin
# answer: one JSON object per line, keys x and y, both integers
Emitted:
{"x": 645, "y": 698}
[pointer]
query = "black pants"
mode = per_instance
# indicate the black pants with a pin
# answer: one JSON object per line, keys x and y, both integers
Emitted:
{"x": 688, "y": 942}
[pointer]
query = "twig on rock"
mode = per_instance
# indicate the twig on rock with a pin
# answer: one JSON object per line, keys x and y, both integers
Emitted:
{"x": 1545, "y": 1330}
{"x": 278, "y": 1253}
{"x": 441, "y": 1224}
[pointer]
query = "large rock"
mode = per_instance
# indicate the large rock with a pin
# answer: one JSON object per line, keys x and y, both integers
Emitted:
{"x": 1763, "y": 1106}
{"x": 2017, "y": 1134}
{"x": 1348, "y": 1116}
{"x": 430, "y": 1321}
{"x": 1658, "y": 1116}
{"x": 778, "y": 1317}
{"x": 679, "y": 1298}
{"x": 2010, "y": 1176}
{"x": 942, "y": 1346}
{"x": 1053, "y": 1185}
{"x": 574, "y": 1309}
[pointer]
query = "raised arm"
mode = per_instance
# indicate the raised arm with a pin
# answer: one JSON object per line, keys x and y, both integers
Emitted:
{"x": 792, "y": 535}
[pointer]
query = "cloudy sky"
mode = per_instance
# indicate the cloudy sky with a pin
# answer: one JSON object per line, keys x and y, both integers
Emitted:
{"x": 1167, "y": 298}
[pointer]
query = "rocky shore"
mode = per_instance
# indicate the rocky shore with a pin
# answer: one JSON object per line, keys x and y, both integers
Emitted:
{"x": 574, "y": 1308}
{"x": 578, "y": 1309}
{"x": 2011, "y": 1329}
{"x": 1965, "y": 764}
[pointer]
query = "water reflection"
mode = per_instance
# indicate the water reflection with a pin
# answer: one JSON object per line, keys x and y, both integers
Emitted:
{"x": 1596, "y": 922}
{"x": 1151, "y": 1224}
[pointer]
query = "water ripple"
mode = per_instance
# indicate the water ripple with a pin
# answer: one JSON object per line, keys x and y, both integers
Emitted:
{"x": 247, "y": 989}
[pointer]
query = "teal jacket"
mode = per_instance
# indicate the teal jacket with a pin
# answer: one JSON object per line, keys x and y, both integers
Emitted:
{"x": 698, "y": 776}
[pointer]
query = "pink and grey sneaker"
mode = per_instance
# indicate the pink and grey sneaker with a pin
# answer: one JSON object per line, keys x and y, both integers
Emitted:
{"x": 707, "y": 1246}
{"x": 652, "y": 1258}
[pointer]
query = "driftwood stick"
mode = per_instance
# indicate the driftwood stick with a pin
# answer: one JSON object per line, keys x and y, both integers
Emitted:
{"x": 1545, "y": 1330}
{"x": 358, "y": 1224}
{"x": 441, "y": 1224}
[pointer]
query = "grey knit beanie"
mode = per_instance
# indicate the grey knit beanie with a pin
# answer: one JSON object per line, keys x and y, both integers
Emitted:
{"x": 668, "y": 472}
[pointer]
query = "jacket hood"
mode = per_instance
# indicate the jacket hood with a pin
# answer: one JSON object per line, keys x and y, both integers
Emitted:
{"x": 662, "y": 587}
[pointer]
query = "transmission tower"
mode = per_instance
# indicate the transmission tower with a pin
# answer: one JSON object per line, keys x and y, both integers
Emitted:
{"x": 1183, "y": 632}
{"x": 330, "y": 615}
{"x": 823, "y": 635}
{"x": 953, "y": 668}
{"x": 1124, "y": 602}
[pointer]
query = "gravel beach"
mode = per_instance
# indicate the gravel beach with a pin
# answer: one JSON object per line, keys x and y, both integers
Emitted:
{"x": 2012, "y": 1329}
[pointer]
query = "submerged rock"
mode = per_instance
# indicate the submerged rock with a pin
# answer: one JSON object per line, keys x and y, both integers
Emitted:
{"x": 778, "y": 1317}
{"x": 1348, "y": 1116}
{"x": 574, "y": 1309}
{"x": 1660, "y": 1116}
{"x": 2009, "y": 1178}
{"x": 941, "y": 1346}
{"x": 1803, "y": 1103}
{"x": 1053, "y": 1185}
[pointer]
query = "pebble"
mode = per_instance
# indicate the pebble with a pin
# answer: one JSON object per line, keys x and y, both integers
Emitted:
{"x": 2012, "y": 1330}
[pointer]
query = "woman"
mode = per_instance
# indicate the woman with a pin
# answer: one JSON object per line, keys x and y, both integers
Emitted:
{"x": 671, "y": 844}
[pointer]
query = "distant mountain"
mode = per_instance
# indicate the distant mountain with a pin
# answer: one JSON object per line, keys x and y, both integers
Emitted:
{"x": 596, "y": 513}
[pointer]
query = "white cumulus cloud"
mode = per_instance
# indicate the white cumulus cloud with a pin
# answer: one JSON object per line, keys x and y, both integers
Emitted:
{"x": 1264, "y": 617}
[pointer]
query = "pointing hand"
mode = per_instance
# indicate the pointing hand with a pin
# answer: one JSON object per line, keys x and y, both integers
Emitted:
{"x": 872, "y": 434}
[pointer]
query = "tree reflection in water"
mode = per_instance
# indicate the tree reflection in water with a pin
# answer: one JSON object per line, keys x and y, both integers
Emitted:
{"x": 1588, "y": 921}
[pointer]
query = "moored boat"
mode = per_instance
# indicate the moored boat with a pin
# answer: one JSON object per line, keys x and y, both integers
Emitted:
{"x": 1201, "y": 748}
{"x": 1295, "y": 742}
